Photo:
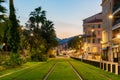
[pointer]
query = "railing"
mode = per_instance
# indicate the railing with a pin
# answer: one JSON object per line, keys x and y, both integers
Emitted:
{"x": 105, "y": 65}
{"x": 116, "y": 22}
{"x": 116, "y": 6}
{"x": 119, "y": 70}
{"x": 109, "y": 66}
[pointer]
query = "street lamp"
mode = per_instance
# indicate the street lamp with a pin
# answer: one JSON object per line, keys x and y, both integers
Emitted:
{"x": 92, "y": 40}
{"x": 110, "y": 16}
{"x": 92, "y": 30}
{"x": 3, "y": 44}
{"x": 22, "y": 28}
{"x": 31, "y": 34}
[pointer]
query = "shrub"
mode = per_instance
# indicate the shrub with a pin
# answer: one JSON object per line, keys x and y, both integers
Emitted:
{"x": 4, "y": 57}
{"x": 15, "y": 60}
{"x": 42, "y": 57}
{"x": 2, "y": 68}
{"x": 51, "y": 56}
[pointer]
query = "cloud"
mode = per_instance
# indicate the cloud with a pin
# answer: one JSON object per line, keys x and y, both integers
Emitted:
{"x": 65, "y": 30}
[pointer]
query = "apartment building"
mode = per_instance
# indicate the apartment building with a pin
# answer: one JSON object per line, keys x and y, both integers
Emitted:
{"x": 116, "y": 31}
{"x": 111, "y": 35}
{"x": 111, "y": 30}
{"x": 92, "y": 28}
{"x": 107, "y": 33}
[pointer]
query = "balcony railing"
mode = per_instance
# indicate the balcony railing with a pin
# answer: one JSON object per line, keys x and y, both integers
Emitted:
{"x": 116, "y": 22}
{"x": 116, "y": 6}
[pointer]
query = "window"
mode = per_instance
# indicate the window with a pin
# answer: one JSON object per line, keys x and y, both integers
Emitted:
{"x": 89, "y": 41}
{"x": 93, "y": 41}
{"x": 93, "y": 26}
{"x": 99, "y": 40}
{"x": 88, "y": 48}
{"x": 89, "y": 32}
{"x": 84, "y": 39}
{"x": 99, "y": 26}
{"x": 99, "y": 32}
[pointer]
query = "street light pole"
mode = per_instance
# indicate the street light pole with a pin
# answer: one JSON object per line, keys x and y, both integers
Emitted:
{"x": 92, "y": 41}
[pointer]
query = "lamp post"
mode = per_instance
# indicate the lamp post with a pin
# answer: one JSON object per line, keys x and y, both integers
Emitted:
{"x": 110, "y": 16}
{"x": 92, "y": 41}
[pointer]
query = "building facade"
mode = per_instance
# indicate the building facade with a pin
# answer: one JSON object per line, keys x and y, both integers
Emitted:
{"x": 111, "y": 30}
{"x": 111, "y": 35}
{"x": 92, "y": 28}
{"x": 116, "y": 31}
{"x": 107, "y": 33}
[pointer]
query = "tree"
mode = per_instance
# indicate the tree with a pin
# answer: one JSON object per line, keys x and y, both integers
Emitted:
{"x": 14, "y": 38}
{"x": 36, "y": 43}
{"x": 43, "y": 35}
{"x": 76, "y": 43}
{"x": 38, "y": 16}
{"x": 2, "y": 10}
{"x": 48, "y": 33}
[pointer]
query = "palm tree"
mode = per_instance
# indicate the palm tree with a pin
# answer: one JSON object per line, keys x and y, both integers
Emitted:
{"x": 48, "y": 33}
{"x": 38, "y": 16}
{"x": 2, "y": 10}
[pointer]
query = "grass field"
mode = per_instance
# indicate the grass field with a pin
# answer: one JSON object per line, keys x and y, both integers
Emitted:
{"x": 89, "y": 72}
{"x": 36, "y": 71}
{"x": 62, "y": 71}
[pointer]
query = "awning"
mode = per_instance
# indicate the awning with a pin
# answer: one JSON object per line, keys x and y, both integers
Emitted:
{"x": 105, "y": 48}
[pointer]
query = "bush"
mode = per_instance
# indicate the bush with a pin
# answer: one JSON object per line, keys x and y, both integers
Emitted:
{"x": 37, "y": 55}
{"x": 15, "y": 60}
{"x": 4, "y": 57}
{"x": 51, "y": 56}
{"x": 42, "y": 57}
{"x": 2, "y": 68}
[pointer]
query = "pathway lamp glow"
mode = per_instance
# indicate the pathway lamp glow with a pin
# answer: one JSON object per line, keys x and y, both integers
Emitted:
{"x": 31, "y": 34}
{"x": 3, "y": 44}
{"x": 22, "y": 28}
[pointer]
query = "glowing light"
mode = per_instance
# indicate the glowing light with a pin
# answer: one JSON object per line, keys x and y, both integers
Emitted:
{"x": 92, "y": 30}
{"x": 3, "y": 44}
{"x": 31, "y": 34}
{"x": 22, "y": 28}
{"x": 110, "y": 16}
{"x": 118, "y": 36}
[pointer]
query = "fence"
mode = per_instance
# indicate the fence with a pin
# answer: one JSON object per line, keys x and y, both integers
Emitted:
{"x": 105, "y": 65}
{"x": 109, "y": 66}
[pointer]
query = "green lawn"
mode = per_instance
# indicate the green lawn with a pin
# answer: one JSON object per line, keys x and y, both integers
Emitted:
{"x": 36, "y": 72}
{"x": 63, "y": 71}
{"x": 89, "y": 72}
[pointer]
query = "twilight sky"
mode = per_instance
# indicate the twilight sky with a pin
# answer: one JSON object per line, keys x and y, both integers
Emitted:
{"x": 67, "y": 15}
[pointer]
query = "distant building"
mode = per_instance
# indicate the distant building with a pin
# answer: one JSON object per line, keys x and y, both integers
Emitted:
{"x": 92, "y": 28}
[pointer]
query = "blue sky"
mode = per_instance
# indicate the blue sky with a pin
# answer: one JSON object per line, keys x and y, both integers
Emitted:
{"x": 67, "y": 15}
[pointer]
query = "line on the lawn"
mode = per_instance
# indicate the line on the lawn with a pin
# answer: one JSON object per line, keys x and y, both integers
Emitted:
{"x": 50, "y": 71}
{"x": 16, "y": 71}
{"x": 75, "y": 71}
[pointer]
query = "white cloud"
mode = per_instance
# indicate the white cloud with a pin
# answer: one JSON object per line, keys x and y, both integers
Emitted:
{"x": 65, "y": 30}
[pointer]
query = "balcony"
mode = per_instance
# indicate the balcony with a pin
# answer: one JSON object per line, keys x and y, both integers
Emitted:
{"x": 116, "y": 24}
{"x": 116, "y": 6}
